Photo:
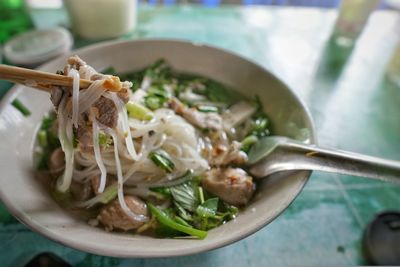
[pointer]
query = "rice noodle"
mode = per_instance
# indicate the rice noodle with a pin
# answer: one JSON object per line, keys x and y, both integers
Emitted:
{"x": 134, "y": 216}
{"x": 99, "y": 161}
{"x": 65, "y": 133}
{"x": 126, "y": 158}
{"x": 123, "y": 117}
{"x": 90, "y": 95}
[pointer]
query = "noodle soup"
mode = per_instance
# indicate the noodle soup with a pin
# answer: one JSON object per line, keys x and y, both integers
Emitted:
{"x": 160, "y": 153}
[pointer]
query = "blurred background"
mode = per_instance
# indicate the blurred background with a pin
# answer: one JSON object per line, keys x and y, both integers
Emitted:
{"x": 342, "y": 58}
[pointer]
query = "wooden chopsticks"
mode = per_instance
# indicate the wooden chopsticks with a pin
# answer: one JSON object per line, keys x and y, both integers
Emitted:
{"x": 38, "y": 79}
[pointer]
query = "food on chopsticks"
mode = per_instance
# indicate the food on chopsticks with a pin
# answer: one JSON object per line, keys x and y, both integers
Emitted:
{"x": 153, "y": 151}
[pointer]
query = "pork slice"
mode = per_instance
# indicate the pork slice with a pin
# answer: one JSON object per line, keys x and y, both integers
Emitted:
{"x": 202, "y": 120}
{"x": 113, "y": 217}
{"x": 233, "y": 185}
{"x": 107, "y": 112}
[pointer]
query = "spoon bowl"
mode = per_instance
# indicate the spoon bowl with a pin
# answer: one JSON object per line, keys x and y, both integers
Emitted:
{"x": 276, "y": 153}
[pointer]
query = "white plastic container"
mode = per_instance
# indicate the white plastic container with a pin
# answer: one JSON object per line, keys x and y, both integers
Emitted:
{"x": 101, "y": 19}
{"x": 35, "y": 47}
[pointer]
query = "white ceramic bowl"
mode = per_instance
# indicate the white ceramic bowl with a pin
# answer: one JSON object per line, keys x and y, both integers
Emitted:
{"x": 32, "y": 205}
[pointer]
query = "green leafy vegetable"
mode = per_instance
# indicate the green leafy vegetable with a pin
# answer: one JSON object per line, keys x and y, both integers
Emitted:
{"x": 21, "y": 107}
{"x": 162, "y": 190}
{"x": 156, "y": 97}
{"x": 185, "y": 196}
{"x": 164, "y": 219}
{"x": 248, "y": 142}
{"x": 181, "y": 221}
{"x": 208, "y": 208}
{"x": 182, "y": 212}
{"x": 162, "y": 160}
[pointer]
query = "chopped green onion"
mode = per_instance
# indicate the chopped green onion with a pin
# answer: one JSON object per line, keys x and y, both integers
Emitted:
{"x": 206, "y": 109}
{"x": 165, "y": 220}
{"x": 153, "y": 102}
{"x": 104, "y": 140}
{"x": 21, "y": 107}
{"x": 201, "y": 194}
{"x": 259, "y": 124}
{"x": 158, "y": 91}
{"x": 162, "y": 160}
{"x": 109, "y": 194}
{"x": 138, "y": 111}
{"x": 42, "y": 138}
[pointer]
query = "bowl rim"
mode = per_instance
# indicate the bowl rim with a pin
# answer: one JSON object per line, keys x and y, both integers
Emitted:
{"x": 40, "y": 229}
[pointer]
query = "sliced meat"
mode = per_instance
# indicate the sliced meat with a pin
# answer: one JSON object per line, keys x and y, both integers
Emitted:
{"x": 107, "y": 112}
{"x": 56, "y": 96}
{"x": 57, "y": 162}
{"x": 202, "y": 120}
{"x": 84, "y": 134}
{"x": 233, "y": 185}
{"x": 76, "y": 62}
{"x": 113, "y": 217}
{"x": 221, "y": 155}
{"x": 125, "y": 93}
{"x": 81, "y": 191}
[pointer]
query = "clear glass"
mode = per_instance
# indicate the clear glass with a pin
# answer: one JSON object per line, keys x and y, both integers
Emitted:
{"x": 14, "y": 18}
{"x": 101, "y": 19}
{"x": 353, "y": 15}
{"x": 393, "y": 68}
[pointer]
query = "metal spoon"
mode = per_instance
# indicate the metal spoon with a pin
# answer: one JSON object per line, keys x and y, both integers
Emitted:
{"x": 275, "y": 154}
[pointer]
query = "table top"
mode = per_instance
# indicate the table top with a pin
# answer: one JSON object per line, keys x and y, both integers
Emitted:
{"x": 353, "y": 106}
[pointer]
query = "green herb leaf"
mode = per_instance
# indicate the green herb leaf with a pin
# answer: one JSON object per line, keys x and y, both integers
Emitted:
{"x": 185, "y": 196}
{"x": 162, "y": 160}
{"x": 162, "y": 190}
{"x": 182, "y": 212}
{"x": 208, "y": 208}
{"x": 164, "y": 219}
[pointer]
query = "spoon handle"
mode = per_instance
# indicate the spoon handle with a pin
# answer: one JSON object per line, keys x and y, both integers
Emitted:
{"x": 299, "y": 156}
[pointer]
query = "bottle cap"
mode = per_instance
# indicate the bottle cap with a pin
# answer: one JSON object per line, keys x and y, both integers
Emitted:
{"x": 38, "y": 46}
{"x": 382, "y": 239}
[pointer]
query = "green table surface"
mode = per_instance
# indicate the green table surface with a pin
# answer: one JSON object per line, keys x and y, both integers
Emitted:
{"x": 354, "y": 108}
